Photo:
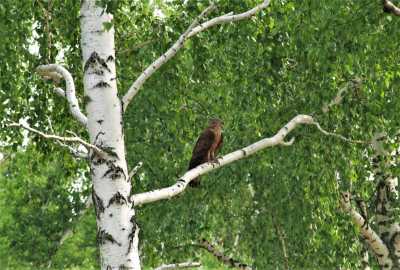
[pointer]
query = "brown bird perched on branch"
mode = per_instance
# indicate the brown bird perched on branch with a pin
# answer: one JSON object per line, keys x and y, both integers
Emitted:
{"x": 207, "y": 146}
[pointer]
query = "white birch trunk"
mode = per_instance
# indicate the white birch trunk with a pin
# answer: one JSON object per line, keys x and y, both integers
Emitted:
{"x": 117, "y": 232}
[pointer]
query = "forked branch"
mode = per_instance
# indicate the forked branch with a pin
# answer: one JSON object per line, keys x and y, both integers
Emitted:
{"x": 181, "y": 184}
{"x": 277, "y": 139}
{"x": 195, "y": 28}
{"x": 74, "y": 139}
{"x": 55, "y": 71}
{"x": 371, "y": 237}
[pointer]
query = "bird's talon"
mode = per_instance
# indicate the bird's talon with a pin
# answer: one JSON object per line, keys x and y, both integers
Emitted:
{"x": 216, "y": 161}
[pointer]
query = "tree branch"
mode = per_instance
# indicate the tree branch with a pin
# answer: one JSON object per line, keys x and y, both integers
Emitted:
{"x": 181, "y": 184}
{"x": 51, "y": 71}
{"x": 135, "y": 170}
{"x": 371, "y": 237}
{"x": 389, "y": 7}
{"x": 178, "y": 265}
{"x": 193, "y": 30}
{"x": 222, "y": 257}
{"x": 78, "y": 154}
{"x": 227, "y": 18}
{"x": 338, "y": 135}
{"x": 74, "y": 139}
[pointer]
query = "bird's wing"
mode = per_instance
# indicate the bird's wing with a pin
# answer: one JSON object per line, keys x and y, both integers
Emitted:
{"x": 219, "y": 145}
{"x": 203, "y": 145}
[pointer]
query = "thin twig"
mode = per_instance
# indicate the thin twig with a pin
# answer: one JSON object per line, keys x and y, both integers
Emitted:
{"x": 96, "y": 149}
{"x": 135, "y": 170}
{"x": 192, "y": 30}
{"x": 178, "y": 266}
{"x": 338, "y": 135}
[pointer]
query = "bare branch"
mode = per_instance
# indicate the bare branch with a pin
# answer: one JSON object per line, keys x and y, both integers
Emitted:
{"x": 193, "y": 30}
{"x": 178, "y": 265}
{"x": 227, "y": 18}
{"x": 336, "y": 100}
{"x": 79, "y": 154}
{"x": 51, "y": 71}
{"x": 353, "y": 85}
{"x": 389, "y": 7}
{"x": 229, "y": 261}
{"x": 60, "y": 139}
{"x": 180, "y": 186}
{"x": 135, "y": 170}
{"x": 371, "y": 237}
{"x": 338, "y": 135}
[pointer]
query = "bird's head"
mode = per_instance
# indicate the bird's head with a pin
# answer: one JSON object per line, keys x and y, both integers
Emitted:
{"x": 215, "y": 122}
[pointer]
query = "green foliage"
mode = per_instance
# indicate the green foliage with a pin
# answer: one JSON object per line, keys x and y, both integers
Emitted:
{"x": 37, "y": 201}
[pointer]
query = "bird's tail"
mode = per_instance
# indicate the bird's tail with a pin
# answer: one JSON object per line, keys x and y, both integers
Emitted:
{"x": 195, "y": 182}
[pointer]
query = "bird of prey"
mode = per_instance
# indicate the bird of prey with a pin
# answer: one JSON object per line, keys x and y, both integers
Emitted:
{"x": 207, "y": 146}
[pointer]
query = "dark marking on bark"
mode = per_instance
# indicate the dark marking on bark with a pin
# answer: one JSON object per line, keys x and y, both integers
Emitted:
{"x": 97, "y": 71}
{"x": 110, "y": 215}
{"x": 181, "y": 180}
{"x": 385, "y": 222}
{"x": 103, "y": 237}
{"x": 385, "y": 236}
{"x": 91, "y": 61}
{"x": 98, "y": 204}
{"x": 110, "y": 58}
{"x": 100, "y": 121}
{"x": 86, "y": 100}
{"x": 96, "y": 160}
{"x": 118, "y": 198}
{"x": 109, "y": 267}
{"x": 102, "y": 84}
{"x": 95, "y": 60}
{"x": 114, "y": 171}
{"x": 122, "y": 107}
{"x": 97, "y": 136}
{"x": 122, "y": 116}
{"x": 131, "y": 235}
{"x": 110, "y": 151}
{"x": 123, "y": 267}
{"x": 244, "y": 152}
{"x": 393, "y": 241}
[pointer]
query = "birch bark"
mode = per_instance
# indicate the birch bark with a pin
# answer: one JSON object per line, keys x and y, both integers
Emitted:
{"x": 117, "y": 232}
